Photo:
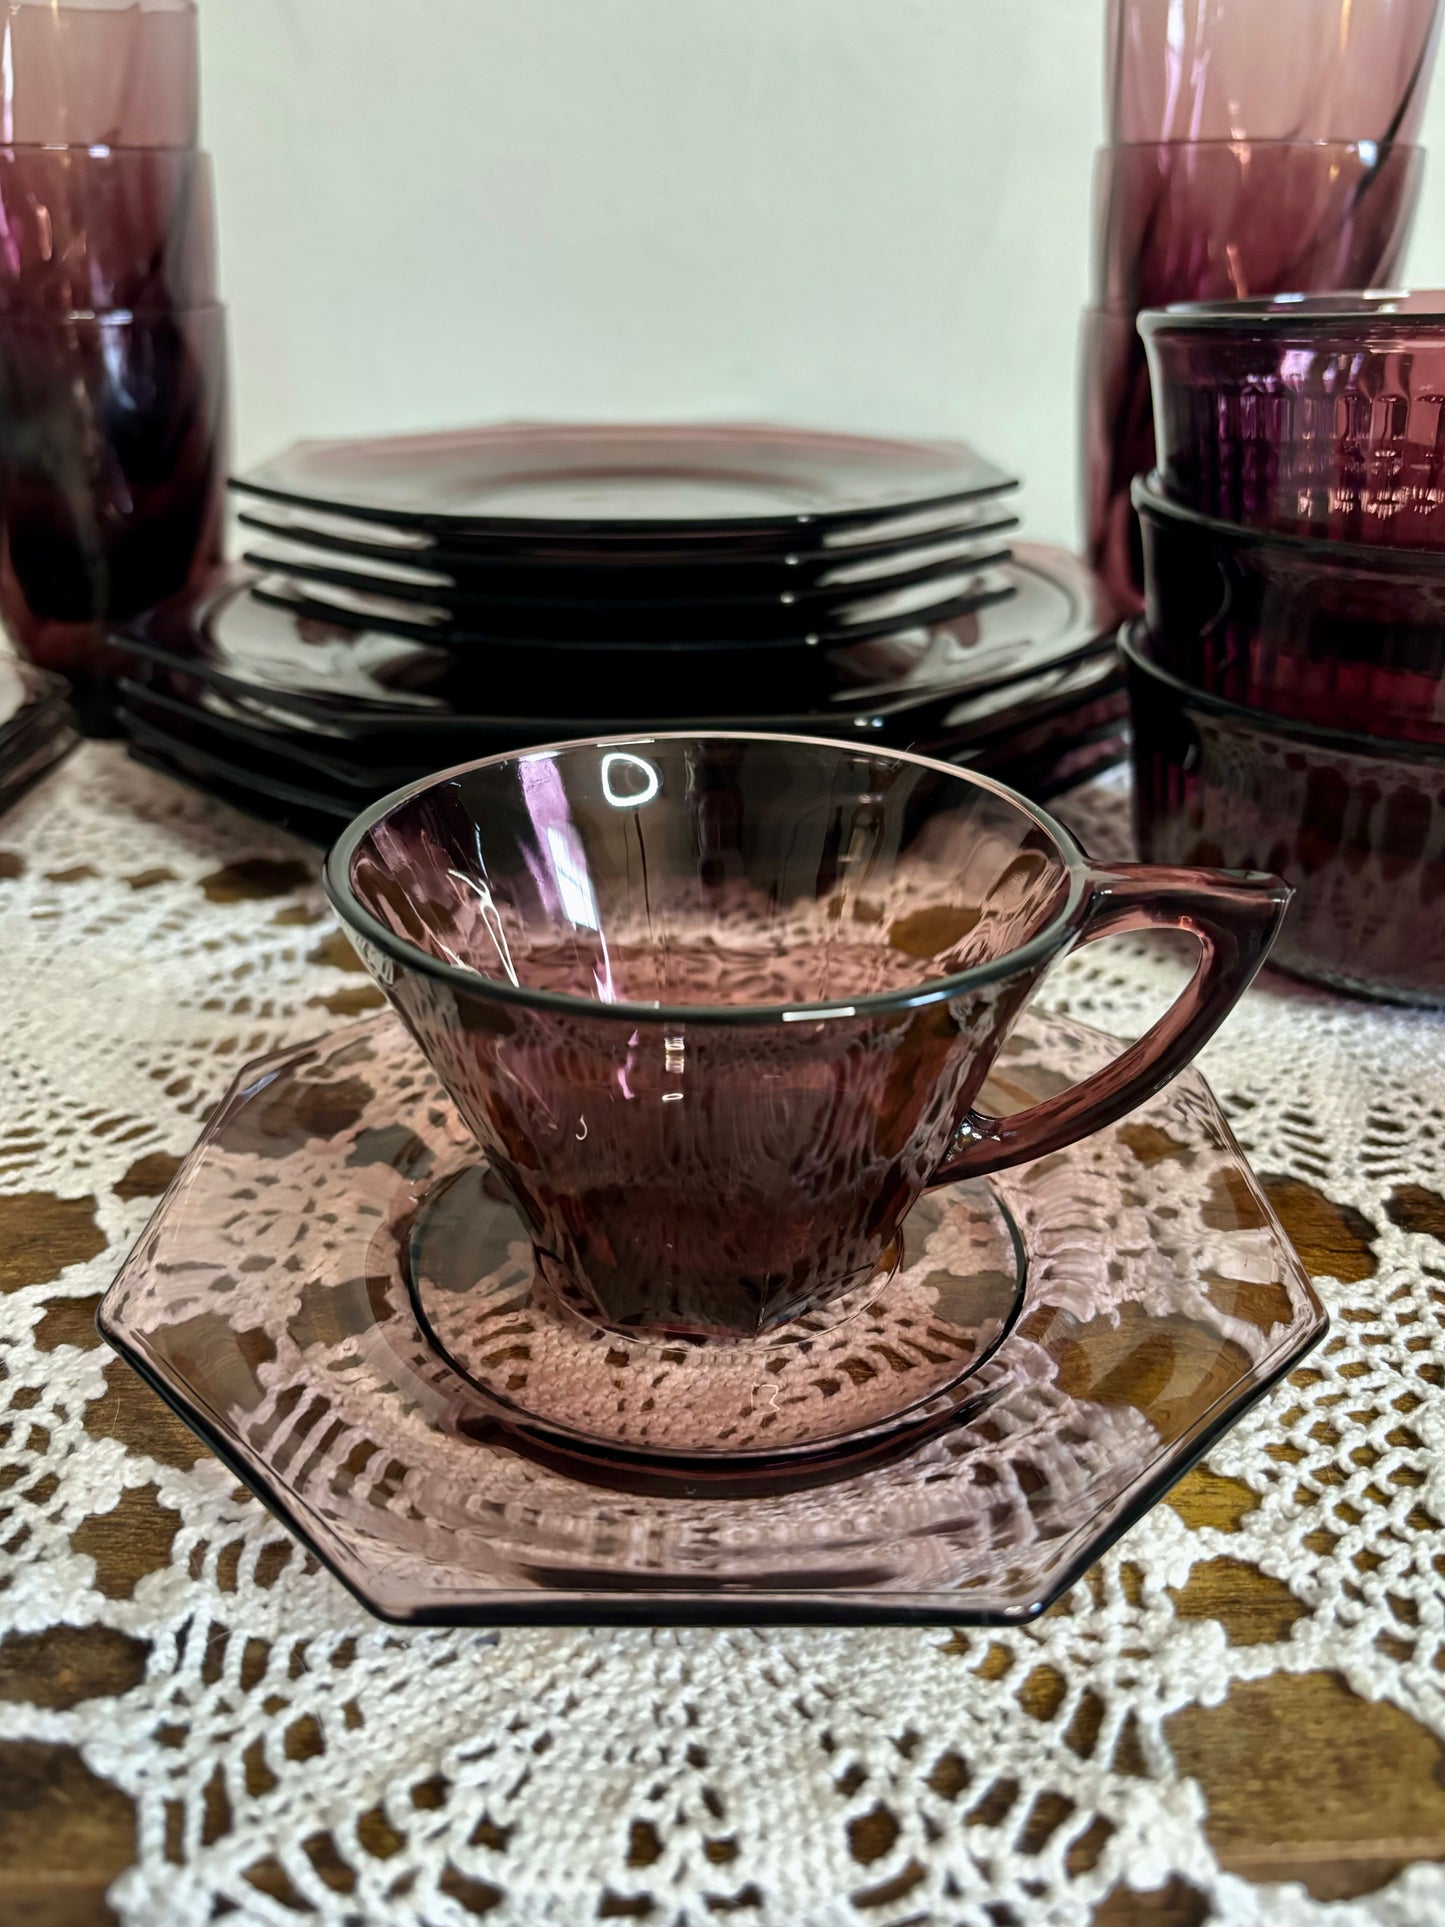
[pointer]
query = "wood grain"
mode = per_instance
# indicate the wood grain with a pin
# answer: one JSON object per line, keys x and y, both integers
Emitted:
{"x": 1307, "y": 1781}
{"x": 64, "y": 1837}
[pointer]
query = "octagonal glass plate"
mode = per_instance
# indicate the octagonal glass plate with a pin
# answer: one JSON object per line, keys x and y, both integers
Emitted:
{"x": 370, "y": 682}
{"x": 715, "y": 482}
{"x": 335, "y": 1297}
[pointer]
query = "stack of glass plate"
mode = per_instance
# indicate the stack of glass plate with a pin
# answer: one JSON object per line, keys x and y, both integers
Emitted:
{"x": 410, "y": 603}
{"x": 37, "y": 726}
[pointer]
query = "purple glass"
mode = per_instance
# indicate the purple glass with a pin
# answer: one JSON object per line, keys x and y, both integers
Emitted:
{"x": 933, "y": 580}
{"x": 1356, "y": 824}
{"x": 613, "y": 571}
{"x": 571, "y": 488}
{"x": 1056, "y": 1347}
{"x": 1193, "y": 70}
{"x": 87, "y": 231}
{"x": 105, "y": 73}
{"x": 372, "y": 684}
{"x": 719, "y": 1008}
{"x": 1116, "y": 443}
{"x": 1341, "y": 635}
{"x": 1216, "y": 221}
{"x": 113, "y": 437}
{"x": 598, "y": 635}
{"x": 1046, "y": 736}
{"x": 1176, "y": 223}
{"x": 1322, "y": 417}
{"x": 34, "y": 759}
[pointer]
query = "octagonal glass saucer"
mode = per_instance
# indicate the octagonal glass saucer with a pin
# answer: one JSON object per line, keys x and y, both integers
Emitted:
{"x": 337, "y": 1296}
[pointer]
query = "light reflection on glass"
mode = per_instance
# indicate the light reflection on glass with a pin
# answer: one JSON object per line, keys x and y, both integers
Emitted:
{"x": 557, "y": 861}
{"x": 622, "y": 759}
{"x": 579, "y": 906}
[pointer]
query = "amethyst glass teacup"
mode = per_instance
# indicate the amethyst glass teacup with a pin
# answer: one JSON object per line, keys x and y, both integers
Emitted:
{"x": 718, "y": 1007}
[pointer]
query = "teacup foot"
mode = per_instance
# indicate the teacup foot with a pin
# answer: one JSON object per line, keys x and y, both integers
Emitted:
{"x": 888, "y": 1355}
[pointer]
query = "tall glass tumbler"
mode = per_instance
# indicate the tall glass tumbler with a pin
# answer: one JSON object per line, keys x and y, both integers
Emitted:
{"x": 113, "y": 458}
{"x": 108, "y": 73}
{"x": 1203, "y": 70}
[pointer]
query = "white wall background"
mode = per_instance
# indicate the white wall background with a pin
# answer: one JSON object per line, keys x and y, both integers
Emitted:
{"x": 869, "y": 214}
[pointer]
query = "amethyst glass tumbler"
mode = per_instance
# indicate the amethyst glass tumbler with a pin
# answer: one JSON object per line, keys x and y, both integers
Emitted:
{"x": 1116, "y": 443}
{"x": 718, "y": 1007}
{"x": 100, "y": 73}
{"x": 1223, "y": 220}
{"x": 113, "y": 441}
{"x": 1189, "y": 70}
{"x": 87, "y": 231}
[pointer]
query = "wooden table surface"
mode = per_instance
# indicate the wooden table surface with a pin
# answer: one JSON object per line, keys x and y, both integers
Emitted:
{"x": 1303, "y": 1779}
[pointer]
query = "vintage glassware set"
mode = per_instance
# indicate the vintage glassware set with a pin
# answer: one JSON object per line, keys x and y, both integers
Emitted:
{"x": 713, "y": 1228}
{"x": 1253, "y": 150}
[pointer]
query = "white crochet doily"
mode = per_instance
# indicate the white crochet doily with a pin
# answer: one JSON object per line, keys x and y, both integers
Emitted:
{"x": 288, "y": 1757}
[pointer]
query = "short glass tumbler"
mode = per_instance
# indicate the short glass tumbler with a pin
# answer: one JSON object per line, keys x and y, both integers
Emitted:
{"x": 718, "y": 1008}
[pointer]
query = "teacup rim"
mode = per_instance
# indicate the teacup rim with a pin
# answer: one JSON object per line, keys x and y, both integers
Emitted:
{"x": 1040, "y": 948}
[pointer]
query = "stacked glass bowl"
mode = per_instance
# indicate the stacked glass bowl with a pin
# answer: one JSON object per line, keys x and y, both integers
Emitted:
{"x": 1288, "y": 676}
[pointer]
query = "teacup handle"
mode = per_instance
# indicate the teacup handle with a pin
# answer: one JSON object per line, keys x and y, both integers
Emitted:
{"x": 1236, "y": 916}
